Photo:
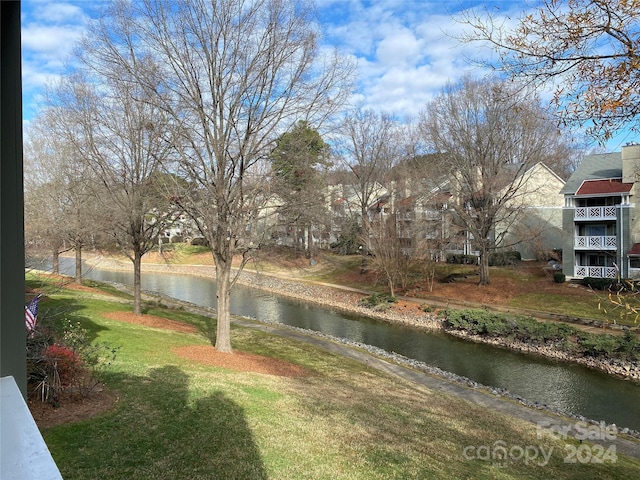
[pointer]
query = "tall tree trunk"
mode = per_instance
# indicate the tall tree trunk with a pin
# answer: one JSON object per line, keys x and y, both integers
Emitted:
{"x": 484, "y": 267}
{"x": 137, "y": 282}
{"x": 78, "y": 249}
{"x": 390, "y": 283}
{"x": 55, "y": 263}
{"x": 310, "y": 245}
{"x": 223, "y": 295}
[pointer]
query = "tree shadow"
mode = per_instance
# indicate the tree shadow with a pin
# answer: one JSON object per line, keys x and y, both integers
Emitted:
{"x": 54, "y": 312}
{"x": 162, "y": 432}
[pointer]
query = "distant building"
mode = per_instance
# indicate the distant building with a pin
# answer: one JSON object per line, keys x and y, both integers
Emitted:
{"x": 535, "y": 230}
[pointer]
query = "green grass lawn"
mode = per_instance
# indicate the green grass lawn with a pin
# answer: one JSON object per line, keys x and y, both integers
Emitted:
{"x": 545, "y": 302}
{"x": 175, "y": 419}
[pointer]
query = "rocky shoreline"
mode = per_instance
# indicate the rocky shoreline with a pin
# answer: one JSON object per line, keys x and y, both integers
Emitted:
{"x": 350, "y": 302}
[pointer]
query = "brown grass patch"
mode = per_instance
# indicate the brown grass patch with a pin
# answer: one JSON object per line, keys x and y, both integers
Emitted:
{"x": 207, "y": 354}
{"x": 239, "y": 361}
{"x": 151, "y": 321}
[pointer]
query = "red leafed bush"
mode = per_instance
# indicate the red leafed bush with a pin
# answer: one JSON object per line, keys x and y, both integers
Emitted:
{"x": 64, "y": 361}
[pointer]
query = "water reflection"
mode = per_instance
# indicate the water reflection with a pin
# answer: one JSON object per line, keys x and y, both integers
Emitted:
{"x": 571, "y": 389}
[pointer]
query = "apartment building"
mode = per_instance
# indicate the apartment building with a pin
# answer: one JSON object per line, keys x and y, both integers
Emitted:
{"x": 600, "y": 220}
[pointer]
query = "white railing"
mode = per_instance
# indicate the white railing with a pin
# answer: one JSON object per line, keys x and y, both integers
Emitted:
{"x": 595, "y": 213}
{"x": 582, "y": 271}
{"x": 595, "y": 243}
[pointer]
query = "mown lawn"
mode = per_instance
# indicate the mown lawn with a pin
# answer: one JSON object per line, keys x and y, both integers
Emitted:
{"x": 545, "y": 302}
{"x": 175, "y": 419}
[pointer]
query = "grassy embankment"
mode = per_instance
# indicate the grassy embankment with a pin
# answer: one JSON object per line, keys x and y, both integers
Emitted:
{"x": 521, "y": 291}
{"x": 178, "y": 419}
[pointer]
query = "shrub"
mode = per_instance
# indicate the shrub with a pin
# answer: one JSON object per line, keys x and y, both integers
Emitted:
{"x": 200, "y": 241}
{"x": 629, "y": 347}
{"x": 61, "y": 361}
{"x": 479, "y": 322}
{"x": 559, "y": 277}
{"x": 562, "y": 336}
{"x": 612, "y": 284}
{"x": 378, "y": 301}
{"x": 598, "y": 283}
{"x": 64, "y": 362}
{"x": 500, "y": 259}
{"x": 598, "y": 345}
{"x": 459, "y": 258}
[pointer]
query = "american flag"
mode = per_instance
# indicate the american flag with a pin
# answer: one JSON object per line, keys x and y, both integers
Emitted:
{"x": 31, "y": 314}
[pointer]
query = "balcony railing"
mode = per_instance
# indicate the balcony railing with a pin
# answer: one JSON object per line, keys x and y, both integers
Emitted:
{"x": 595, "y": 243}
{"x": 582, "y": 271}
{"x": 595, "y": 213}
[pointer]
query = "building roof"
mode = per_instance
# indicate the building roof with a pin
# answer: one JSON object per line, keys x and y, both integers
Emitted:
{"x": 594, "y": 167}
{"x": 604, "y": 187}
{"x": 410, "y": 201}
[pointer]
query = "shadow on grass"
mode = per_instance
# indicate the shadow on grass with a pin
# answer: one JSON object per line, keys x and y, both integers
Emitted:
{"x": 162, "y": 429}
{"x": 56, "y": 312}
{"x": 410, "y": 433}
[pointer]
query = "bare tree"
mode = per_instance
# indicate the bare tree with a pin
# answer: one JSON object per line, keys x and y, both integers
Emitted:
{"x": 235, "y": 75}
{"x": 389, "y": 258}
{"x": 369, "y": 147}
{"x": 60, "y": 207}
{"x": 588, "y": 50}
{"x": 121, "y": 135}
{"x": 490, "y": 134}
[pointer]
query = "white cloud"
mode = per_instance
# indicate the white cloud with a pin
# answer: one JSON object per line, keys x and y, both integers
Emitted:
{"x": 50, "y": 31}
{"x": 50, "y": 40}
{"x": 406, "y": 50}
{"x": 400, "y": 47}
{"x": 57, "y": 12}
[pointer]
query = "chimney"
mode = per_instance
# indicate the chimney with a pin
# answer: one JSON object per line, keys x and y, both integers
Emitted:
{"x": 631, "y": 162}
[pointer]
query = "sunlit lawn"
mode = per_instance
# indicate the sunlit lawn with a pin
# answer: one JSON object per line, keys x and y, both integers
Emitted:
{"x": 178, "y": 420}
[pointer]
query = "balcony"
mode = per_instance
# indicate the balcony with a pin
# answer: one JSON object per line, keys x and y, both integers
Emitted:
{"x": 595, "y": 213}
{"x": 582, "y": 271}
{"x": 595, "y": 243}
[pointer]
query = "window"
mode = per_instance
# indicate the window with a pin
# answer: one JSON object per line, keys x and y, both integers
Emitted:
{"x": 596, "y": 230}
{"x": 596, "y": 260}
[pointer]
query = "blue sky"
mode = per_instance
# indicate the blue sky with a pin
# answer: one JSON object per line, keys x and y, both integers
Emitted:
{"x": 405, "y": 49}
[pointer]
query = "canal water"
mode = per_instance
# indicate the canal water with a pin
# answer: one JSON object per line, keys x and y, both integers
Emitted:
{"x": 568, "y": 388}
